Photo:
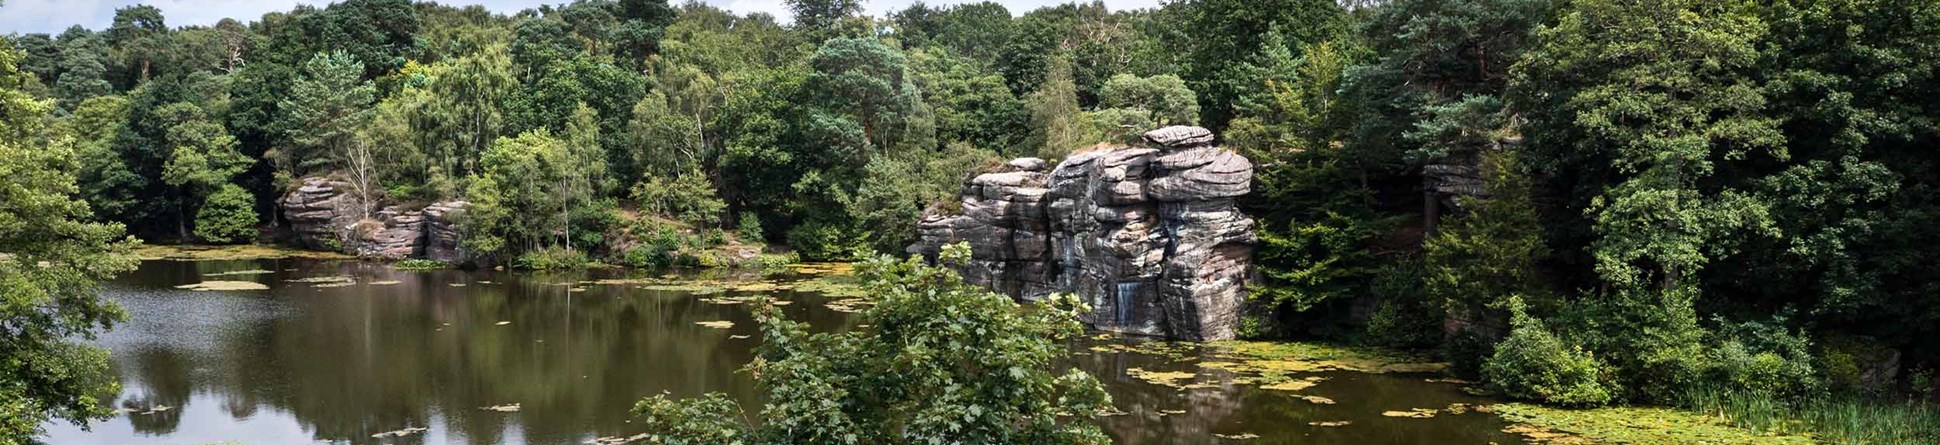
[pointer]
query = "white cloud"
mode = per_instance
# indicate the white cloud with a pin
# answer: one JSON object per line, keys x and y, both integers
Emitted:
{"x": 208, "y": 12}
{"x": 49, "y": 16}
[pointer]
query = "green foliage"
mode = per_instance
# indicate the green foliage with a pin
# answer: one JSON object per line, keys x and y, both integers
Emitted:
{"x": 1479, "y": 258}
{"x": 324, "y": 109}
{"x": 532, "y": 194}
{"x": 868, "y": 82}
{"x": 552, "y": 258}
{"x": 228, "y": 216}
{"x": 940, "y": 361}
{"x": 1532, "y": 363}
{"x": 749, "y": 229}
{"x": 1055, "y": 116}
{"x": 48, "y": 277}
{"x": 828, "y": 242}
{"x": 1316, "y": 237}
{"x": 1838, "y": 419}
{"x": 1164, "y": 98}
{"x": 420, "y": 264}
{"x": 688, "y": 198}
{"x": 1225, "y": 34}
{"x": 1406, "y": 318}
{"x": 1761, "y": 358}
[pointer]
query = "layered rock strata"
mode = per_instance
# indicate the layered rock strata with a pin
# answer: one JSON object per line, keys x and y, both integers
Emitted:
{"x": 1150, "y": 237}
{"x": 326, "y": 214}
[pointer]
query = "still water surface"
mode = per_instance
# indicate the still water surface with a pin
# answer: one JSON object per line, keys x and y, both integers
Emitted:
{"x": 320, "y": 362}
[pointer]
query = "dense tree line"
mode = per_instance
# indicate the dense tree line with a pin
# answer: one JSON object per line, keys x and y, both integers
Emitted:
{"x": 1670, "y": 193}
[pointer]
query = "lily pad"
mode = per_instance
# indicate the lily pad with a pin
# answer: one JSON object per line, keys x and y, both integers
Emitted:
{"x": 224, "y": 286}
{"x": 716, "y": 324}
{"x": 1331, "y": 423}
{"x": 1168, "y": 379}
{"x": 506, "y": 408}
{"x": 1417, "y": 413}
{"x": 328, "y": 279}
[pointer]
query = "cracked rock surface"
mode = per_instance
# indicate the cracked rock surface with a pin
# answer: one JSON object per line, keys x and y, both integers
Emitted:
{"x": 1151, "y": 237}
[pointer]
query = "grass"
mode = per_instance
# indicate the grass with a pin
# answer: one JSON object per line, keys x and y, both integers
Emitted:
{"x": 415, "y": 264}
{"x": 1835, "y": 420}
{"x": 1726, "y": 417}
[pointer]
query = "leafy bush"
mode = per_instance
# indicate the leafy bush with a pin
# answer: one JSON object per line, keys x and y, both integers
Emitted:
{"x": 552, "y": 258}
{"x": 1534, "y": 364}
{"x": 1467, "y": 352}
{"x": 647, "y": 257}
{"x": 1405, "y": 318}
{"x": 942, "y": 361}
{"x": 1845, "y": 360}
{"x": 228, "y": 215}
{"x": 824, "y": 242}
{"x": 749, "y": 229}
{"x": 1761, "y": 358}
{"x": 773, "y": 262}
{"x": 689, "y": 198}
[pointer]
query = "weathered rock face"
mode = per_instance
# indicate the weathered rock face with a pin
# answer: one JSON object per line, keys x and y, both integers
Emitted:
{"x": 1150, "y": 237}
{"x": 394, "y": 234}
{"x": 322, "y": 212}
{"x": 441, "y": 231}
{"x": 326, "y": 215}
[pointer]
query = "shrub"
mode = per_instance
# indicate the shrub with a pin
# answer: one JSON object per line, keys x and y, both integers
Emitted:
{"x": 419, "y": 264}
{"x": 1405, "y": 318}
{"x": 647, "y": 257}
{"x": 1761, "y": 358}
{"x": 773, "y": 262}
{"x": 938, "y": 360}
{"x": 552, "y": 258}
{"x": 689, "y": 198}
{"x": 1466, "y": 353}
{"x": 749, "y": 228}
{"x": 227, "y": 216}
{"x": 1534, "y": 364}
{"x": 824, "y": 242}
{"x": 1845, "y": 360}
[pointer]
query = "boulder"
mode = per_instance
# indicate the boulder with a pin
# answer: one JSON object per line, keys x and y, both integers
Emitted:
{"x": 1151, "y": 237}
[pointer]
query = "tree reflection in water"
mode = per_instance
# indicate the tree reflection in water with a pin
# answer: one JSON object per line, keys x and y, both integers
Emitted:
{"x": 302, "y": 362}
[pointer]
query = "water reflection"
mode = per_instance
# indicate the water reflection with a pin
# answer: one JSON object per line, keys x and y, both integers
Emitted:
{"x": 319, "y": 361}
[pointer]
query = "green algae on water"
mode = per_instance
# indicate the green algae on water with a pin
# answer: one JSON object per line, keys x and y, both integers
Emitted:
{"x": 1631, "y": 425}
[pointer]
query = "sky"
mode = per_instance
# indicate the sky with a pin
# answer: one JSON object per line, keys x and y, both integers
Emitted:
{"x": 52, "y": 16}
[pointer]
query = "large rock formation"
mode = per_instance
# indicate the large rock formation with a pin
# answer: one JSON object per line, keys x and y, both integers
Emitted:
{"x": 322, "y": 212}
{"x": 441, "y": 231}
{"x": 325, "y": 214}
{"x": 1149, "y": 236}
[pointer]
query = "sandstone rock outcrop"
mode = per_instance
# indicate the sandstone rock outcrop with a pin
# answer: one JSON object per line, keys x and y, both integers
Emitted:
{"x": 441, "y": 231}
{"x": 1150, "y": 237}
{"x": 326, "y": 214}
{"x": 322, "y": 212}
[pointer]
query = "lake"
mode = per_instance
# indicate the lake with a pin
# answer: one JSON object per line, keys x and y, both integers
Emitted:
{"x": 338, "y": 351}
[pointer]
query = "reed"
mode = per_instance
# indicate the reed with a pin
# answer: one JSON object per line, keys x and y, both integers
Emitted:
{"x": 1831, "y": 419}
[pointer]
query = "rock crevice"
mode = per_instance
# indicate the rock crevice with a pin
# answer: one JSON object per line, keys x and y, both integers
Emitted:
{"x": 1151, "y": 237}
